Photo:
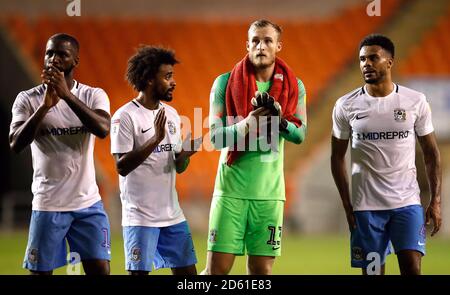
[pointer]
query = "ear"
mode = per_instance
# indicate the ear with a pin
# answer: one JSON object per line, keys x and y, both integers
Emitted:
{"x": 247, "y": 45}
{"x": 76, "y": 62}
{"x": 390, "y": 63}
{"x": 279, "y": 46}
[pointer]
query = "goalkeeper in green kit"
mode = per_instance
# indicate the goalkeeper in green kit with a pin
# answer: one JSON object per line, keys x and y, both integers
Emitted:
{"x": 253, "y": 109}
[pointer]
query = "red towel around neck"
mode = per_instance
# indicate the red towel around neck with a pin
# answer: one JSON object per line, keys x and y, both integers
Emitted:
{"x": 241, "y": 88}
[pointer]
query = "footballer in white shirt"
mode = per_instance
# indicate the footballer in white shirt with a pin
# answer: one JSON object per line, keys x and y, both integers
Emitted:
{"x": 382, "y": 120}
{"x": 147, "y": 147}
{"x": 60, "y": 119}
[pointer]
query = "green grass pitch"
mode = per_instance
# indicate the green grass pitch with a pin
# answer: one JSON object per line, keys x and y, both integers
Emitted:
{"x": 300, "y": 255}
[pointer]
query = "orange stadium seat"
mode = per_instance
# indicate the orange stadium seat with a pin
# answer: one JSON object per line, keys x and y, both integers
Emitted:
{"x": 315, "y": 50}
{"x": 430, "y": 57}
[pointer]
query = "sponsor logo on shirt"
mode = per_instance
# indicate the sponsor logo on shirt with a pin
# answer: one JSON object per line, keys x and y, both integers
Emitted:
{"x": 64, "y": 131}
{"x": 167, "y": 147}
{"x": 383, "y": 135}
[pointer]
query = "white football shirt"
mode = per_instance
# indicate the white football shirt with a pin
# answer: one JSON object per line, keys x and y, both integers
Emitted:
{"x": 63, "y": 150}
{"x": 383, "y": 131}
{"x": 148, "y": 193}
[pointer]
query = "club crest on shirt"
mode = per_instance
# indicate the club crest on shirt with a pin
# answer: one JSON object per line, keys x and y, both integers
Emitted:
{"x": 213, "y": 236}
{"x": 399, "y": 115}
{"x": 33, "y": 255}
{"x": 278, "y": 76}
{"x": 136, "y": 254}
{"x": 357, "y": 253}
{"x": 172, "y": 127}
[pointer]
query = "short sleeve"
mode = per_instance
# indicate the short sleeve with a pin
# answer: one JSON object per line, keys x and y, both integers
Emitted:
{"x": 341, "y": 125}
{"x": 21, "y": 109}
{"x": 179, "y": 142}
{"x": 122, "y": 139}
{"x": 423, "y": 124}
{"x": 100, "y": 100}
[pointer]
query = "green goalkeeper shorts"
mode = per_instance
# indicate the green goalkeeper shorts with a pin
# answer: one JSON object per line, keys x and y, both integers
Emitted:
{"x": 237, "y": 225}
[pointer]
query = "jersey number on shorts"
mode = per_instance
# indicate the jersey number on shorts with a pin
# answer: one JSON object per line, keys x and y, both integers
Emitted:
{"x": 272, "y": 234}
{"x": 105, "y": 243}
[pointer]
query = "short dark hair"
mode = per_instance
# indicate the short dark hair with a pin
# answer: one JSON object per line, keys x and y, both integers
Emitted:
{"x": 67, "y": 38}
{"x": 262, "y": 23}
{"x": 380, "y": 40}
{"x": 144, "y": 64}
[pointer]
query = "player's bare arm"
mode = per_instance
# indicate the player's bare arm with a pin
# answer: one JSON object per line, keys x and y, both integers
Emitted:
{"x": 339, "y": 171}
{"x": 96, "y": 121}
{"x": 125, "y": 163}
{"x": 432, "y": 160}
{"x": 24, "y": 132}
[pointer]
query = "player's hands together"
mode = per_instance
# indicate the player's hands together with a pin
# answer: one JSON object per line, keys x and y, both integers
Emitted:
{"x": 260, "y": 109}
{"x": 160, "y": 125}
{"x": 264, "y": 99}
{"x": 50, "y": 97}
{"x": 55, "y": 79}
{"x": 434, "y": 213}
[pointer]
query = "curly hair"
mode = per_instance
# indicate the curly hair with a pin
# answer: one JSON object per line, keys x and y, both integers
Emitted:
{"x": 144, "y": 65}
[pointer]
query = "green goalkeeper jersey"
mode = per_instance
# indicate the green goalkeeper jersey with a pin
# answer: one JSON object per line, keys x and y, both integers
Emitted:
{"x": 258, "y": 174}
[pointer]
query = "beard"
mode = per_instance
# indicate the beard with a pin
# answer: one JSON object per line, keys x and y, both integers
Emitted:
{"x": 68, "y": 71}
{"x": 164, "y": 96}
{"x": 167, "y": 98}
{"x": 379, "y": 77}
{"x": 261, "y": 63}
{"x": 372, "y": 80}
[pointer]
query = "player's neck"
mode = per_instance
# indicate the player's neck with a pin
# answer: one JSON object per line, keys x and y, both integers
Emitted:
{"x": 69, "y": 81}
{"x": 380, "y": 89}
{"x": 147, "y": 101}
{"x": 264, "y": 74}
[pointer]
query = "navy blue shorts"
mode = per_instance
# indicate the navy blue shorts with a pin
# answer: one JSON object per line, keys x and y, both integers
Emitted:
{"x": 376, "y": 230}
{"x": 86, "y": 231}
{"x": 162, "y": 247}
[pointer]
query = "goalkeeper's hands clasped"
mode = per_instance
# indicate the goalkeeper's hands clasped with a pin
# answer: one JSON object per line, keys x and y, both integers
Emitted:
{"x": 265, "y": 100}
